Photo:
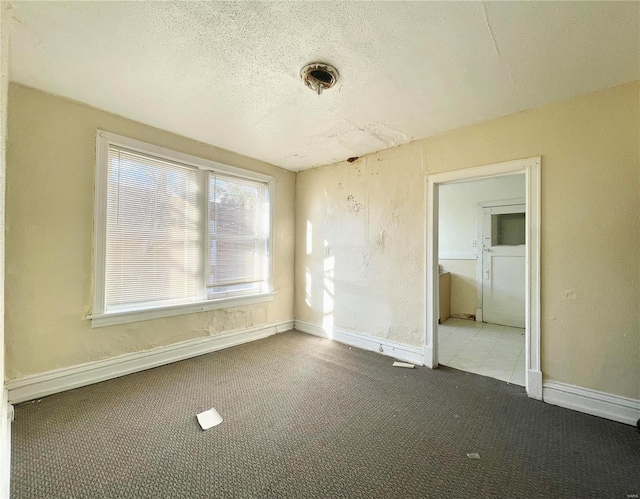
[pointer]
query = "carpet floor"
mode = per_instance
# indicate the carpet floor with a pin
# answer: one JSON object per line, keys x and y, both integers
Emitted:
{"x": 306, "y": 417}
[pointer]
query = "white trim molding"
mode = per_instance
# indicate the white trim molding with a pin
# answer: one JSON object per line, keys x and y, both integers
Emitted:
{"x": 111, "y": 318}
{"x": 604, "y": 405}
{"x": 534, "y": 388}
{"x": 58, "y": 380}
{"x": 530, "y": 168}
{"x": 458, "y": 256}
{"x": 382, "y": 346}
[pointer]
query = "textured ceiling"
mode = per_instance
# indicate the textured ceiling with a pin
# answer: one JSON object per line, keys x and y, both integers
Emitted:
{"x": 227, "y": 73}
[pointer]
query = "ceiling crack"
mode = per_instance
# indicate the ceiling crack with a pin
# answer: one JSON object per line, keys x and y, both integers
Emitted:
{"x": 493, "y": 39}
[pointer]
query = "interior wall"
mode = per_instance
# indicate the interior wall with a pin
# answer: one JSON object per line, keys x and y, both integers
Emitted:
{"x": 458, "y": 206}
{"x": 372, "y": 214}
{"x": 4, "y": 91}
{"x": 49, "y": 222}
{"x": 5, "y": 432}
{"x": 360, "y": 245}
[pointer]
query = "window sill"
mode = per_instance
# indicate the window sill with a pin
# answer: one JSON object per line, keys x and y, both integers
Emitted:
{"x": 112, "y": 318}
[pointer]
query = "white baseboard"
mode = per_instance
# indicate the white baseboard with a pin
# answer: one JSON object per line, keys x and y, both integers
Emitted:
{"x": 284, "y": 326}
{"x": 6, "y": 416}
{"x": 390, "y": 348}
{"x": 604, "y": 405}
{"x": 534, "y": 388}
{"x": 616, "y": 408}
{"x": 40, "y": 385}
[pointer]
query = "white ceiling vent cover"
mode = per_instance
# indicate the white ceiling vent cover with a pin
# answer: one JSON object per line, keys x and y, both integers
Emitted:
{"x": 319, "y": 76}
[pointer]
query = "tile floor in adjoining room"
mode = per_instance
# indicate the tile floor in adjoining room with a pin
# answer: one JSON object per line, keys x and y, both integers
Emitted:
{"x": 485, "y": 349}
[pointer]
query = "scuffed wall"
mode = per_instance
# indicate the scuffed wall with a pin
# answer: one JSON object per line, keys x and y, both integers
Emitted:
{"x": 50, "y": 185}
{"x": 590, "y": 236}
{"x": 360, "y": 245}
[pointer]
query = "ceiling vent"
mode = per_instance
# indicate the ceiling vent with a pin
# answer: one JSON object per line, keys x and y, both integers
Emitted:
{"x": 319, "y": 76}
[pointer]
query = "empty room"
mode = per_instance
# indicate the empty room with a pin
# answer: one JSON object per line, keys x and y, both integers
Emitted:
{"x": 320, "y": 249}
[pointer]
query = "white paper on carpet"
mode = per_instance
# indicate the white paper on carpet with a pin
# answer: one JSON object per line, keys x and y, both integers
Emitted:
{"x": 209, "y": 419}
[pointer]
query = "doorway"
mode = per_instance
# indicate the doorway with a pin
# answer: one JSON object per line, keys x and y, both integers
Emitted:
{"x": 507, "y": 226}
{"x": 481, "y": 255}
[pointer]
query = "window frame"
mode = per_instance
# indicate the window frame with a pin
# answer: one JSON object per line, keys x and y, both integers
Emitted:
{"x": 98, "y": 316}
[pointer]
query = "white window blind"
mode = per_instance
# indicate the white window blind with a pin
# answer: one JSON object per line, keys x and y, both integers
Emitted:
{"x": 176, "y": 234}
{"x": 237, "y": 234}
{"x": 152, "y": 243}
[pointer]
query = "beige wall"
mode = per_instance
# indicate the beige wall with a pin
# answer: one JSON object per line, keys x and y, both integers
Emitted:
{"x": 5, "y": 15}
{"x": 50, "y": 181}
{"x": 5, "y": 428}
{"x": 371, "y": 213}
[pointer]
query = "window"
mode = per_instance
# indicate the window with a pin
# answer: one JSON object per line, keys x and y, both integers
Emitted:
{"x": 508, "y": 229}
{"x": 176, "y": 234}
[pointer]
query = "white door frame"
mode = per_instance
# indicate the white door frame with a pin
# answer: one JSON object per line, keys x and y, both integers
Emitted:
{"x": 530, "y": 168}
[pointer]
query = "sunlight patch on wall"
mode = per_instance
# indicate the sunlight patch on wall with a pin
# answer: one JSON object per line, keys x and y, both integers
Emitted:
{"x": 307, "y": 286}
{"x": 328, "y": 295}
{"x": 309, "y": 237}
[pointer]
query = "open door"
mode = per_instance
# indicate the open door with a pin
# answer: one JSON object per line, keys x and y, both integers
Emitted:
{"x": 503, "y": 265}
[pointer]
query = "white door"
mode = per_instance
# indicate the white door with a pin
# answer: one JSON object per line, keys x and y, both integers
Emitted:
{"x": 503, "y": 265}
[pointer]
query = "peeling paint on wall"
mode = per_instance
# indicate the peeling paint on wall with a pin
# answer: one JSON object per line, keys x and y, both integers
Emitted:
{"x": 363, "y": 258}
{"x": 353, "y": 206}
{"x": 365, "y": 222}
{"x": 381, "y": 241}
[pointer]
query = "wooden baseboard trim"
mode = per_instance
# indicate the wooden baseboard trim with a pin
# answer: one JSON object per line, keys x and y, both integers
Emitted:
{"x": 400, "y": 351}
{"x": 604, "y": 405}
{"x": 58, "y": 380}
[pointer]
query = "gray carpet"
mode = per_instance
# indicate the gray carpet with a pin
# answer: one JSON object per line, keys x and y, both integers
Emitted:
{"x": 305, "y": 417}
